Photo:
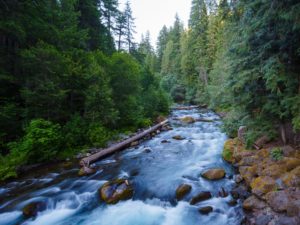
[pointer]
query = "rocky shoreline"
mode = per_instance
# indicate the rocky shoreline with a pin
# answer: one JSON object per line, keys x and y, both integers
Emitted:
{"x": 267, "y": 182}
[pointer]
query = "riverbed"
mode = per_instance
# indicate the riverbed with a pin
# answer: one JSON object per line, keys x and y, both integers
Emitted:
{"x": 155, "y": 170}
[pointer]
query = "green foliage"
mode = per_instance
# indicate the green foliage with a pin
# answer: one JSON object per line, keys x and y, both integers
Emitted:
{"x": 42, "y": 142}
{"x": 227, "y": 154}
{"x": 98, "y": 135}
{"x": 276, "y": 154}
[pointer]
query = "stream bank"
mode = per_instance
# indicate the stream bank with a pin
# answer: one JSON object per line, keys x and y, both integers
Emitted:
{"x": 272, "y": 176}
{"x": 154, "y": 170}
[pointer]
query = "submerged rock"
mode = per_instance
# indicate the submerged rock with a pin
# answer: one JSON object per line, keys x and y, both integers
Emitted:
{"x": 205, "y": 210}
{"x": 114, "y": 191}
{"x": 183, "y": 190}
{"x": 32, "y": 209}
{"x": 202, "y": 196}
{"x": 178, "y": 137}
{"x": 214, "y": 174}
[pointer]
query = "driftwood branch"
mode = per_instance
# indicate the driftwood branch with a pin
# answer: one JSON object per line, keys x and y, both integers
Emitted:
{"x": 120, "y": 146}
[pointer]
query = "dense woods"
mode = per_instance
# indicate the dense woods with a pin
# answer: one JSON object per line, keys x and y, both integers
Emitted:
{"x": 239, "y": 57}
{"x": 71, "y": 76}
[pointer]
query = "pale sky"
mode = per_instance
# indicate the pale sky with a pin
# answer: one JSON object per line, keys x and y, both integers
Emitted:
{"x": 153, "y": 14}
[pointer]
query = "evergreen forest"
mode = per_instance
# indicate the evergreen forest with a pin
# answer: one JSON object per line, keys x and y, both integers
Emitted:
{"x": 72, "y": 75}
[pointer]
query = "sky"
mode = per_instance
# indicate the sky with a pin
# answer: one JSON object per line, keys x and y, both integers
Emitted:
{"x": 153, "y": 14}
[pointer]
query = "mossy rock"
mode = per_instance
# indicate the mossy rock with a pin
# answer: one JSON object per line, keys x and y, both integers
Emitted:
{"x": 228, "y": 151}
{"x": 188, "y": 119}
{"x": 214, "y": 174}
{"x": 263, "y": 185}
{"x": 86, "y": 171}
{"x": 182, "y": 191}
{"x": 114, "y": 191}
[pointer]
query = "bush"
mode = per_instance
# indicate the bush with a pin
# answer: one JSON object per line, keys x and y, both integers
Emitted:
{"x": 98, "y": 135}
{"x": 41, "y": 142}
{"x": 277, "y": 154}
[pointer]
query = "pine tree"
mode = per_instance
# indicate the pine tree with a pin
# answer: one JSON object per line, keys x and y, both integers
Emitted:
{"x": 130, "y": 27}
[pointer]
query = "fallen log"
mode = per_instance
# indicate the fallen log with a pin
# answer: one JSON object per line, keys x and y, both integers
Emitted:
{"x": 185, "y": 107}
{"x": 85, "y": 162}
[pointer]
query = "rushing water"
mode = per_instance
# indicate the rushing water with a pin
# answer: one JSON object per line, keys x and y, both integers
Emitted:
{"x": 155, "y": 176}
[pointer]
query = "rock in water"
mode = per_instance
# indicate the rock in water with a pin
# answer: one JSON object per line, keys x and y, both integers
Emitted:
{"x": 85, "y": 171}
{"x": 188, "y": 119}
{"x": 178, "y": 137}
{"x": 114, "y": 191}
{"x": 202, "y": 196}
{"x": 32, "y": 209}
{"x": 206, "y": 210}
{"x": 214, "y": 174}
{"x": 183, "y": 190}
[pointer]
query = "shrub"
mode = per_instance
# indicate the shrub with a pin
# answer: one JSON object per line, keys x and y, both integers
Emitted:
{"x": 41, "y": 142}
{"x": 277, "y": 154}
{"x": 98, "y": 135}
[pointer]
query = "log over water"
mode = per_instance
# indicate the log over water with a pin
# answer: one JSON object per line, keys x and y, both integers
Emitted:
{"x": 117, "y": 147}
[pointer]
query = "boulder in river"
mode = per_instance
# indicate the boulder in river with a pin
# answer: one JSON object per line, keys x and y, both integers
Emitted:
{"x": 85, "y": 171}
{"x": 178, "y": 137}
{"x": 214, "y": 174}
{"x": 114, "y": 191}
{"x": 188, "y": 119}
{"x": 205, "y": 210}
{"x": 183, "y": 190}
{"x": 32, "y": 209}
{"x": 202, "y": 196}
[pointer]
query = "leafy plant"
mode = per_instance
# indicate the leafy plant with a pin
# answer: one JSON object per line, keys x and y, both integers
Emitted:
{"x": 277, "y": 154}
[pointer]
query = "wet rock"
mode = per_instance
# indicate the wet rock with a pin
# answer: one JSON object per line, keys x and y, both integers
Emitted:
{"x": 86, "y": 171}
{"x": 263, "y": 185}
{"x": 178, "y": 137}
{"x": 134, "y": 172}
{"x": 114, "y": 191}
{"x": 165, "y": 141}
{"x": 188, "y": 119}
{"x": 232, "y": 202}
{"x": 147, "y": 150}
{"x": 205, "y": 210}
{"x": 214, "y": 174}
{"x": 202, "y": 196}
{"x": 278, "y": 200}
{"x": 182, "y": 191}
{"x": 134, "y": 144}
{"x": 252, "y": 203}
{"x": 33, "y": 208}
{"x": 222, "y": 193}
{"x": 240, "y": 192}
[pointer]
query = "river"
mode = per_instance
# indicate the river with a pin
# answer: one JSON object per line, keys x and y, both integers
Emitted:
{"x": 155, "y": 175}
